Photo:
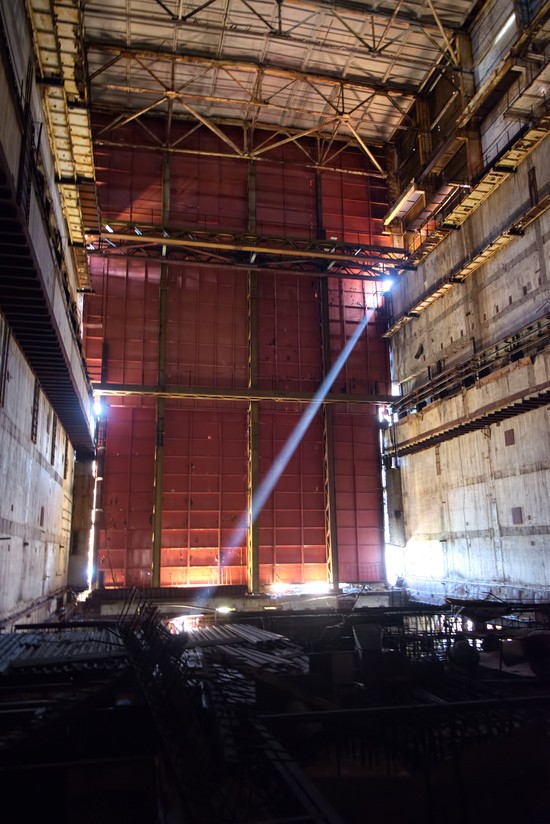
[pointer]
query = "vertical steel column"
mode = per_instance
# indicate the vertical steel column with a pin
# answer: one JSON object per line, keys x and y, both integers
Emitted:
{"x": 474, "y": 149}
{"x": 253, "y": 544}
{"x": 423, "y": 117}
{"x": 161, "y": 383}
{"x": 331, "y": 536}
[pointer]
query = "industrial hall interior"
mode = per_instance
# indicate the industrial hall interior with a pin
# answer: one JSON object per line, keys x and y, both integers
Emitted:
{"x": 274, "y": 411}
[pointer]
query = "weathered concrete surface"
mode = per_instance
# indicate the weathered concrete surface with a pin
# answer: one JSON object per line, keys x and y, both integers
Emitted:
{"x": 52, "y": 283}
{"x": 477, "y": 508}
{"x": 81, "y": 527}
{"x": 512, "y": 383}
{"x": 500, "y": 297}
{"x": 35, "y": 499}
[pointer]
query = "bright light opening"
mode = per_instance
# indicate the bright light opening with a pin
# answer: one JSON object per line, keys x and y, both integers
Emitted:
{"x": 316, "y": 588}
{"x": 187, "y": 623}
{"x": 395, "y": 563}
{"x": 91, "y": 543}
{"x": 387, "y": 285}
{"x": 225, "y": 610}
{"x": 509, "y": 23}
{"x": 108, "y": 228}
{"x": 98, "y": 407}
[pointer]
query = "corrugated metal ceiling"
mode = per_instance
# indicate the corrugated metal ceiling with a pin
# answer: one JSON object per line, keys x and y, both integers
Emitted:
{"x": 349, "y": 68}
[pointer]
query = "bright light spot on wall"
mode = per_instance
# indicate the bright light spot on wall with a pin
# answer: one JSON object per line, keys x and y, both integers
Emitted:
{"x": 423, "y": 560}
{"x": 187, "y": 623}
{"x": 225, "y": 610}
{"x": 395, "y": 563}
{"x": 509, "y": 23}
{"x": 91, "y": 543}
{"x": 316, "y": 588}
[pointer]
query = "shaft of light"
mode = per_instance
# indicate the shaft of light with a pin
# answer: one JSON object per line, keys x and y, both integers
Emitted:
{"x": 266, "y": 487}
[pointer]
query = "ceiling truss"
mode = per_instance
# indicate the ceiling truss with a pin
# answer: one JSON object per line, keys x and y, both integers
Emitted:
{"x": 273, "y": 63}
{"x": 322, "y": 75}
{"x": 349, "y": 105}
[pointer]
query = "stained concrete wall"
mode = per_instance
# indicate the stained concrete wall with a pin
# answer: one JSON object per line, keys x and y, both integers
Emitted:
{"x": 81, "y": 527}
{"x": 21, "y": 52}
{"x": 476, "y": 508}
{"x": 477, "y": 511}
{"x": 35, "y": 499}
{"x": 489, "y": 40}
{"x": 19, "y": 41}
{"x": 503, "y": 295}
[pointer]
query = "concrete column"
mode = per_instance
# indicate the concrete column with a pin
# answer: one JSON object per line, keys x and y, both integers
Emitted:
{"x": 467, "y": 90}
{"x": 81, "y": 524}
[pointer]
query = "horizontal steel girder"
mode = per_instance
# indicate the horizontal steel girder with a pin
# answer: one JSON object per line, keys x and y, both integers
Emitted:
{"x": 355, "y": 254}
{"x": 239, "y": 394}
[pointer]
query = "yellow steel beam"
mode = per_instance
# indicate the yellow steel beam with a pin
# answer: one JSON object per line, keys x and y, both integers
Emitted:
{"x": 115, "y": 390}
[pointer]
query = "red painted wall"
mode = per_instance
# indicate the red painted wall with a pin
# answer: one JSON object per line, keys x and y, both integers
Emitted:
{"x": 205, "y": 474}
{"x": 205, "y": 443}
{"x": 124, "y": 517}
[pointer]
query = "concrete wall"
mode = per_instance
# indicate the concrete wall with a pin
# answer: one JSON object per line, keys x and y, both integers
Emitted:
{"x": 476, "y": 508}
{"x": 503, "y": 295}
{"x": 81, "y": 527}
{"x": 35, "y": 499}
{"x": 20, "y": 45}
{"x": 489, "y": 40}
{"x": 476, "y": 511}
{"x": 54, "y": 285}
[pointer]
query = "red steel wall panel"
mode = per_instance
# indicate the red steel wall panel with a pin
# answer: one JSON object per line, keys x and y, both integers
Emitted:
{"x": 358, "y": 494}
{"x": 205, "y": 478}
{"x": 207, "y": 328}
{"x": 366, "y": 370}
{"x": 354, "y": 208}
{"x": 130, "y": 190}
{"x": 205, "y": 442}
{"x": 124, "y": 520}
{"x": 289, "y": 333}
{"x": 285, "y": 199}
{"x": 206, "y": 193}
{"x": 129, "y": 291}
{"x": 292, "y": 522}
